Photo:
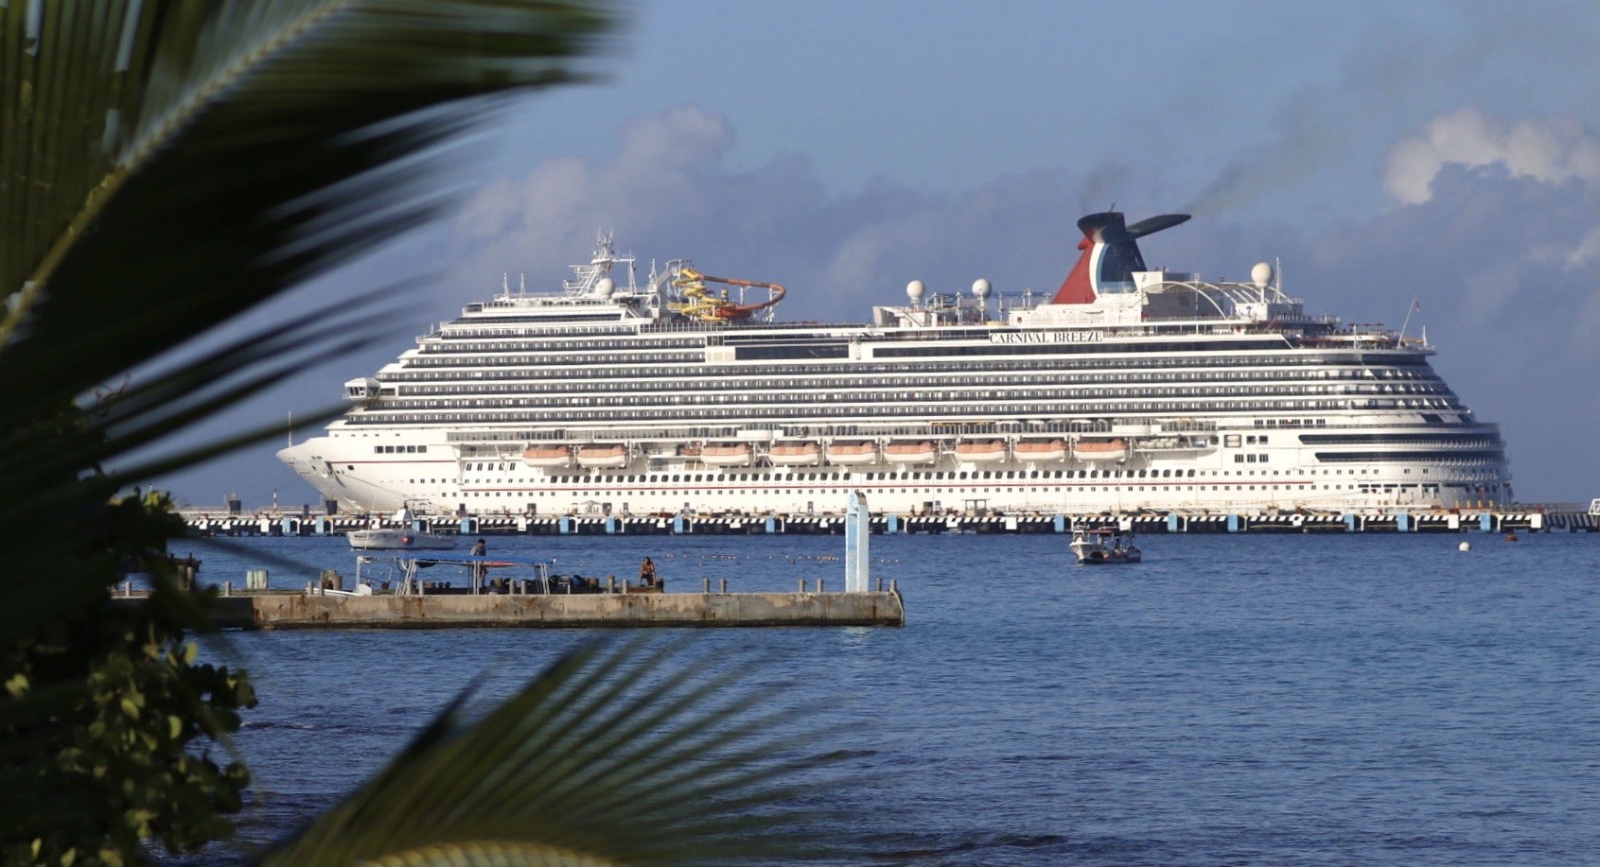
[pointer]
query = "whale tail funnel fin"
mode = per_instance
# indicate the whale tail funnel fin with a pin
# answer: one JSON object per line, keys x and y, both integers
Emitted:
{"x": 1110, "y": 255}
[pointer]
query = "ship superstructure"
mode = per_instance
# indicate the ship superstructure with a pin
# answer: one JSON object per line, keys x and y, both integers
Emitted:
{"x": 1129, "y": 388}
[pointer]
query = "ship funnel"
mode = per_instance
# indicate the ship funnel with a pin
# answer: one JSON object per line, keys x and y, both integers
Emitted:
{"x": 1110, "y": 255}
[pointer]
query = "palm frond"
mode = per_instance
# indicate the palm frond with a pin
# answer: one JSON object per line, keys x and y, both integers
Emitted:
{"x": 619, "y": 753}
{"x": 166, "y": 165}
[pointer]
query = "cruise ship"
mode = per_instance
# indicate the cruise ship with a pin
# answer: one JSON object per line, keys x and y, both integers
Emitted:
{"x": 1128, "y": 389}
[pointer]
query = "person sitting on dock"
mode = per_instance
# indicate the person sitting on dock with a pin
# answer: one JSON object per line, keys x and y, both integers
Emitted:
{"x": 647, "y": 573}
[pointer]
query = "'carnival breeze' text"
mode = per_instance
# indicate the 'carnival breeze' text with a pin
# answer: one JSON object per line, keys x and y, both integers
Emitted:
{"x": 1048, "y": 337}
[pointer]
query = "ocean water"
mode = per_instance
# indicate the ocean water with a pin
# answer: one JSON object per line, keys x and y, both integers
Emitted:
{"x": 1292, "y": 700}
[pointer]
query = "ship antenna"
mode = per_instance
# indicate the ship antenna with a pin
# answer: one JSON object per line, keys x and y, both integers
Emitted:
{"x": 522, "y": 284}
{"x": 1411, "y": 308}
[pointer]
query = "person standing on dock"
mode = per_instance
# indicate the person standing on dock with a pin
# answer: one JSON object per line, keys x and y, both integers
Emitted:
{"x": 479, "y": 570}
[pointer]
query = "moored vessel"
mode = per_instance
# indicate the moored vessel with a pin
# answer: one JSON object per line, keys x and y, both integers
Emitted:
{"x": 1102, "y": 546}
{"x": 1127, "y": 388}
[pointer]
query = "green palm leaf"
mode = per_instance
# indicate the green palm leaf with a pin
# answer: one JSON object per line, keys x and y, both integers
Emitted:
{"x": 166, "y": 165}
{"x": 612, "y": 756}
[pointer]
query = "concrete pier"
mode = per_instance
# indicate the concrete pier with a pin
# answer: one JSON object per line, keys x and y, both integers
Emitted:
{"x": 1559, "y": 517}
{"x": 296, "y": 610}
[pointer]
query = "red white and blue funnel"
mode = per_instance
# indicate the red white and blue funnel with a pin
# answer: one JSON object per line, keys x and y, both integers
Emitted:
{"x": 1110, "y": 256}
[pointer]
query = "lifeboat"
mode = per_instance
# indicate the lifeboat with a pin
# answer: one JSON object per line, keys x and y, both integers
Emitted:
{"x": 725, "y": 454}
{"x": 1042, "y": 450}
{"x": 547, "y": 456}
{"x": 794, "y": 454}
{"x": 981, "y": 451}
{"x": 852, "y": 453}
{"x": 612, "y": 456}
{"x": 1100, "y": 450}
{"x": 911, "y": 453}
{"x": 691, "y": 450}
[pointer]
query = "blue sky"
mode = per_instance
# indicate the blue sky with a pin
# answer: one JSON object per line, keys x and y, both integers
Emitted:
{"x": 1379, "y": 150}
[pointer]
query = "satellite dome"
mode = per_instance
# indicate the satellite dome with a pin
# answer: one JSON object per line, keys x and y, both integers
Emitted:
{"x": 1261, "y": 275}
{"x": 980, "y": 288}
{"x": 605, "y": 287}
{"x": 915, "y": 290}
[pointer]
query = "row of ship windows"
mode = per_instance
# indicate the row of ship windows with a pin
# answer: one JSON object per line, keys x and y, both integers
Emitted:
{"x": 468, "y": 340}
{"x": 634, "y": 385}
{"x": 697, "y": 492}
{"x": 923, "y": 476}
{"x": 376, "y": 417}
{"x": 899, "y": 395}
{"x": 555, "y": 368}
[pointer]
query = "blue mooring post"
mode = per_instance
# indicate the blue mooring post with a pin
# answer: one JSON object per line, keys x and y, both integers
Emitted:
{"x": 1350, "y": 523}
{"x": 677, "y": 526}
{"x": 1172, "y": 523}
{"x": 857, "y": 534}
{"x": 1402, "y": 523}
{"x": 469, "y": 526}
{"x": 772, "y": 525}
{"x": 564, "y": 526}
{"x": 291, "y": 526}
{"x": 1486, "y": 522}
{"x": 611, "y": 525}
{"x": 1060, "y": 524}
{"x": 891, "y": 524}
{"x": 1233, "y": 523}
{"x": 323, "y": 526}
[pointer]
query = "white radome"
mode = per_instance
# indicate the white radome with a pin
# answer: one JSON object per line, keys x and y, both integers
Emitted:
{"x": 1261, "y": 275}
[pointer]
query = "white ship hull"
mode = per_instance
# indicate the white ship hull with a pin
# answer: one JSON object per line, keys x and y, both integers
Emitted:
{"x": 1160, "y": 393}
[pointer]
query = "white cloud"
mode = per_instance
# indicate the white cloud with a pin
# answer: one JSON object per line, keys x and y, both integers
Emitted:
{"x": 1550, "y": 150}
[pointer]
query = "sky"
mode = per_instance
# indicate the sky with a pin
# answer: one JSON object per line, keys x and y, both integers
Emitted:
{"x": 1386, "y": 155}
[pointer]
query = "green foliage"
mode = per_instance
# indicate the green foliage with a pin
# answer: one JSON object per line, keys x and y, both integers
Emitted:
{"x": 108, "y": 720}
{"x": 166, "y": 165}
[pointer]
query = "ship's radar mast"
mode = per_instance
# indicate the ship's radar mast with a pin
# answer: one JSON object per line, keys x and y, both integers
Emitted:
{"x": 587, "y": 279}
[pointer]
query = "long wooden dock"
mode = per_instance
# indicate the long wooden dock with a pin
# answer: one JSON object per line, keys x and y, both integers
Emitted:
{"x": 314, "y": 610}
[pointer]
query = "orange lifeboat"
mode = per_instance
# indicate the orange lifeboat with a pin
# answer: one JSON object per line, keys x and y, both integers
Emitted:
{"x": 911, "y": 453}
{"x": 725, "y": 454}
{"x": 794, "y": 454}
{"x": 1101, "y": 450}
{"x": 612, "y": 456}
{"x": 547, "y": 456}
{"x": 981, "y": 451}
{"x": 1042, "y": 450}
{"x": 852, "y": 453}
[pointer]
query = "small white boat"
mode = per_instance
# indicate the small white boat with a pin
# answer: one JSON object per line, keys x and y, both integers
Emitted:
{"x": 725, "y": 454}
{"x": 547, "y": 456}
{"x": 1101, "y": 450}
{"x": 1042, "y": 450}
{"x": 1103, "y": 546}
{"x": 911, "y": 453}
{"x": 852, "y": 453}
{"x": 606, "y": 456}
{"x": 400, "y": 539}
{"x": 981, "y": 451}
{"x": 794, "y": 454}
